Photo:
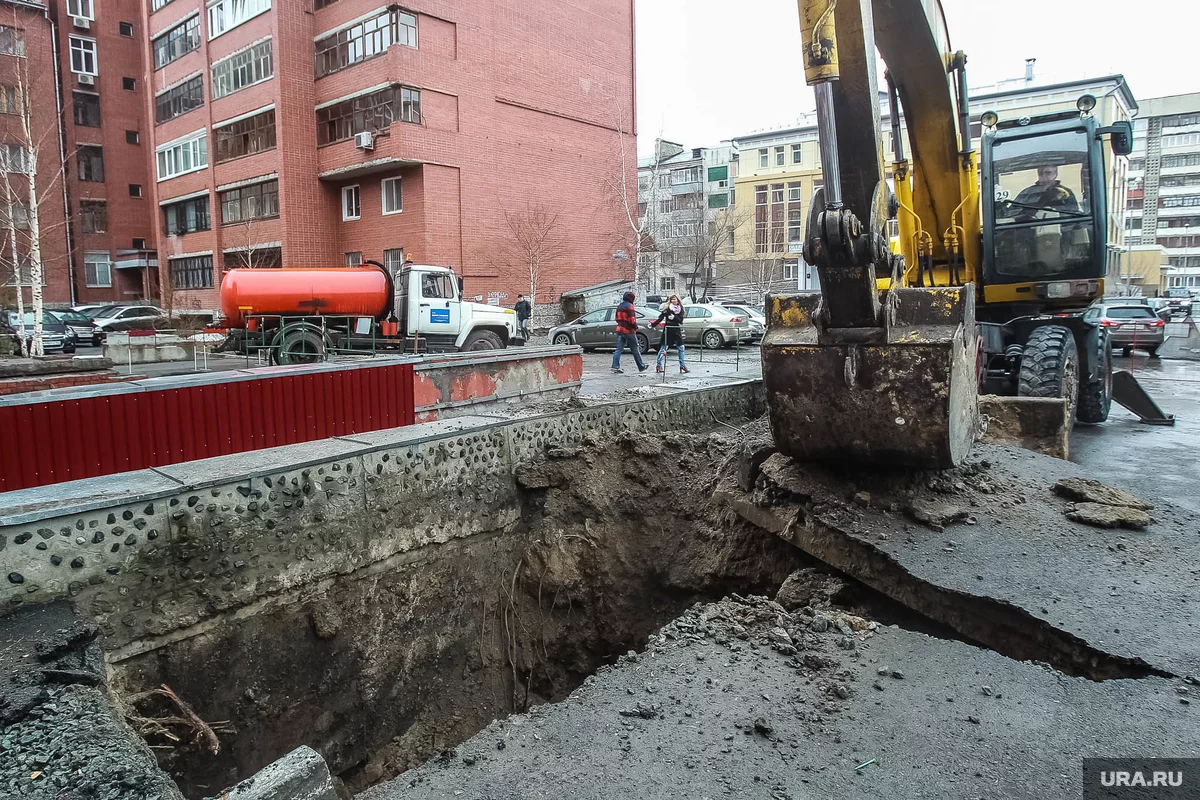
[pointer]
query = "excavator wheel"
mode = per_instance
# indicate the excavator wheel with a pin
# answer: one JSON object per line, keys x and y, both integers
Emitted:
{"x": 1095, "y": 396}
{"x": 1050, "y": 367}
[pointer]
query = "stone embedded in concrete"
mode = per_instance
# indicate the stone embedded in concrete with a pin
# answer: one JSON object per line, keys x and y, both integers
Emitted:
{"x": 300, "y": 775}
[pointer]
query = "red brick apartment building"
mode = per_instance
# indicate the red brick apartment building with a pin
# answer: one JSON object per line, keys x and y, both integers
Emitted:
{"x": 202, "y": 135}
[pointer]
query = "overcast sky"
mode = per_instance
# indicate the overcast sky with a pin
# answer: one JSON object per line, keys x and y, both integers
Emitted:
{"x": 709, "y": 70}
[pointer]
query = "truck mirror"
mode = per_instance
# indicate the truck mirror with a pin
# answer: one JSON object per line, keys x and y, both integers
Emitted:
{"x": 1120, "y": 137}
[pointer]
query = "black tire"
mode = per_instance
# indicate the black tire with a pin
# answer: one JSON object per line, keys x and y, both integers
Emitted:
{"x": 713, "y": 340}
{"x": 643, "y": 344}
{"x": 1153, "y": 351}
{"x": 1095, "y": 396}
{"x": 1126, "y": 351}
{"x": 301, "y": 346}
{"x": 562, "y": 339}
{"x": 482, "y": 340}
{"x": 1050, "y": 367}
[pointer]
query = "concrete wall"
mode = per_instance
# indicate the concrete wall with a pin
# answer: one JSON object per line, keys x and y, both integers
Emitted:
{"x": 456, "y": 383}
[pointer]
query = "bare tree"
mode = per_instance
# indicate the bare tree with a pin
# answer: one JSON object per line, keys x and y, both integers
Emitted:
{"x": 704, "y": 239}
{"x": 251, "y": 253}
{"x": 535, "y": 243}
{"x": 627, "y": 197}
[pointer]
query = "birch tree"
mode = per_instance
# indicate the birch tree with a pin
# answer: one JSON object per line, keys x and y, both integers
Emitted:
{"x": 534, "y": 244}
{"x": 706, "y": 239}
{"x": 627, "y": 196}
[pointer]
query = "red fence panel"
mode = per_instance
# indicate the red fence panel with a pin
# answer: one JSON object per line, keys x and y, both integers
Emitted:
{"x": 51, "y": 441}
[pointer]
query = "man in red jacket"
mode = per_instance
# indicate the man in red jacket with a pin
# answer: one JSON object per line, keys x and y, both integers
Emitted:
{"x": 627, "y": 335}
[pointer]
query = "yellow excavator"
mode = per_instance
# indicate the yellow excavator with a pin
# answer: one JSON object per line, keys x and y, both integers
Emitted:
{"x": 886, "y": 363}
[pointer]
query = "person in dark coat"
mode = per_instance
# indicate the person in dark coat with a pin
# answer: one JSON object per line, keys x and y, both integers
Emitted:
{"x": 672, "y": 319}
{"x": 523, "y": 311}
{"x": 627, "y": 334}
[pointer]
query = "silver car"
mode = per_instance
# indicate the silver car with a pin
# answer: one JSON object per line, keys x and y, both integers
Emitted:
{"x": 758, "y": 321}
{"x": 598, "y": 329}
{"x": 716, "y": 326}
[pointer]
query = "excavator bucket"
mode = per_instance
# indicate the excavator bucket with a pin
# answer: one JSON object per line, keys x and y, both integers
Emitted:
{"x": 905, "y": 395}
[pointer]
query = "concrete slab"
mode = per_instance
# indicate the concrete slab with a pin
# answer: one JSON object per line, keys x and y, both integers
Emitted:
{"x": 1010, "y": 569}
{"x": 224, "y": 469}
{"x": 413, "y": 434}
{"x": 76, "y": 497}
{"x": 714, "y": 709}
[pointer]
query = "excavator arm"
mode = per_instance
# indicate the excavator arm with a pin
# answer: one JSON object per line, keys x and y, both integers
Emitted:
{"x": 853, "y": 373}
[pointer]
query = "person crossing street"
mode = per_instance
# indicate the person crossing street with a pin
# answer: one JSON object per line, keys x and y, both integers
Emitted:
{"x": 672, "y": 319}
{"x": 627, "y": 335}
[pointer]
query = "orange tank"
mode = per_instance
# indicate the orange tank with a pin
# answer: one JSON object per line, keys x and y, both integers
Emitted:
{"x": 331, "y": 291}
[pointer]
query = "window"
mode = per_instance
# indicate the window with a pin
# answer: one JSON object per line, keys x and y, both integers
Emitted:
{"x": 791, "y": 270}
{"x": 794, "y": 225}
{"x": 319, "y": 4}
{"x": 12, "y": 41}
{"x": 254, "y": 258}
{"x": 19, "y": 218}
{"x": 368, "y": 112}
{"x": 1180, "y": 139}
{"x": 157, "y": 4}
{"x": 125, "y": 29}
{"x": 14, "y": 158}
{"x": 90, "y": 160}
{"x": 354, "y": 259}
{"x": 718, "y": 173}
{"x": 225, "y": 15}
{"x": 687, "y": 175}
{"x": 718, "y": 200}
{"x": 245, "y": 137}
{"x": 351, "y": 203}
{"x": 1179, "y": 160}
{"x": 1180, "y": 120}
{"x": 259, "y": 201}
{"x": 192, "y": 272}
{"x": 392, "y": 199}
{"x": 763, "y": 158}
{"x": 796, "y": 153}
{"x": 242, "y": 69}
{"x": 96, "y": 269}
{"x": 128, "y": 84}
{"x": 793, "y": 194}
{"x": 176, "y": 42}
{"x": 93, "y": 216}
{"x": 10, "y": 100}
{"x": 777, "y": 193}
{"x": 186, "y": 216}
{"x": 132, "y": 137}
{"x": 437, "y": 287}
{"x": 1184, "y": 201}
{"x": 179, "y": 100}
{"x": 135, "y": 190}
{"x": 81, "y": 8}
{"x": 666, "y": 284}
{"x": 83, "y": 56}
{"x": 779, "y": 156}
{"x": 393, "y": 259}
{"x": 87, "y": 109}
{"x": 365, "y": 40}
{"x": 182, "y": 157}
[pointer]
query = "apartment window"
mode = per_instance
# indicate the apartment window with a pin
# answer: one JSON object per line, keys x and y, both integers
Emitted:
{"x": 83, "y": 56}
{"x": 259, "y": 201}
{"x": 14, "y": 158}
{"x": 319, "y": 4}
{"x": 245, "y": 137}
{"x": 125, "y": 29}
{"x": 351, "y": 203}
{"x": 186, "y": 216}
{"x": 12, "y": 41}
{"x": 87, "y": 109}
{"x": 81, "y": 8}
{"x": 763, "y": 158}
{"x": 97, "y": 270}
{"x": 242, "y": 69}
{"x": 192, "y": 272}
{"x": 372, "y": 111}
{"x": 794, "y": 225}
{"x": 139, "y": 244}
{"x": 19, "y": 216}
{"x": 718, "y": 200}
{"x": 176, "y": 42}
{"x": 10, "y": 100}
{"x": 392, "y": 200}
{"x": 93, "y": 216}
{"x": 779, "y": 157}
{"x": 688, "y": 175}
{"x": 793, "y": 191}
{"x": 90, "y": 160}
{"x": 132, "y": 137}
{"x": 128, "y": 84}
{"x": 354, "y": 259}
{"x": 365, "y": 40}
{"x": 1180, "y": 120}
{"x": 1179, "y": 160}
{"x": 777, "y": 193}
{"x": 254, "y": 258}
{"x": 157, "y": 4}
{"x": 179, "y": 100}
{"x": 796, "y": 151}
{"x": 666, "y": 284}
{"x": 225, "y": 15}
{"x": 393, "y": 259}
{"x": 791, "y": 270}
{"x": 182, "y": 157}
{"x": 135, "y": 190}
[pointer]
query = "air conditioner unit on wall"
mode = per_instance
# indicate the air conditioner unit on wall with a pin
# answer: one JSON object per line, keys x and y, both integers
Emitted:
{"x": 87, "y": 80}
{"x": 83, "y": 23}
{"x": 364, "y": 140}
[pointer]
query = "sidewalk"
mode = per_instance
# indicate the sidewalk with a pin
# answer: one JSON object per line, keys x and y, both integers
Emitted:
{"x": 716, "y": 369}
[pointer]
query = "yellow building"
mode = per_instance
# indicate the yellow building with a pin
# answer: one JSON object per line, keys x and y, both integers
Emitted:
{"x": 778, "y": 171}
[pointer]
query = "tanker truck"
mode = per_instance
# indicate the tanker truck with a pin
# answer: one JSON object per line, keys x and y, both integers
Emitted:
{"x": 298, "y": 316}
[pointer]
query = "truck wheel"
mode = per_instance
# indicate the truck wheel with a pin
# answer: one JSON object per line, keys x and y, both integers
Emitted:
{"x": 482, "y": 340}
{"x": 1095, "y": 396}
{"x": 1050, "y": 367}
{"x": 302, "y": 346}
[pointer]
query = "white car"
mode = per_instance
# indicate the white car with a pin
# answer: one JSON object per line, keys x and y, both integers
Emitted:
{"x": 758, "y": 321}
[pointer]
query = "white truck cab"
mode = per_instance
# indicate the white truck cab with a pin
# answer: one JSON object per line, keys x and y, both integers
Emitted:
{"x": 429, "y": 305}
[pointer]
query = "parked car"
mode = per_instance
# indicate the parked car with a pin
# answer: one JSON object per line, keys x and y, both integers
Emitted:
{"x": 758, "y": 320}
{"x": 715, "y": 326}
{"x": 81, "y": 325}
{"x": 1130, "y": 327}
{"x": 56, "y": 336}
{"x": 598, "y": 329}
{"x": 124, "y": 318}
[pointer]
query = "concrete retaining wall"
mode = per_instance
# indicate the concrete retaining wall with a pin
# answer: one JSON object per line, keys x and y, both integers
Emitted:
{"x": 122, "y": 348}
{"x": 453, "y": 384}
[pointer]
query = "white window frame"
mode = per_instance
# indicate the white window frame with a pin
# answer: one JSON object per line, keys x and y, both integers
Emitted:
{"x": 93, "y": 53}
{"x": 780, "y": 158}
{"x": 666, "y": 284}
{"x": 90, "y": 258}
{"x": 354, "y": 191}
{"x": 197, "y": 142}
{"x": 383, "y": 195}
{"x": 764, "y": 158}
{"x": 225, "y": 15}
{"x": 797, "y": 154}
{"x": 81, "y": 8}
{"x": 793, "y": 194}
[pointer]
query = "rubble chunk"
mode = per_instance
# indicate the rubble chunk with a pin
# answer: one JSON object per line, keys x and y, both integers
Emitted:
{"x": 1088, "y": 490}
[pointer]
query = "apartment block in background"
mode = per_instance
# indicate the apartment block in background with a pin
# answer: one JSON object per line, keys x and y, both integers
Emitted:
{"x": 302, "y": 134}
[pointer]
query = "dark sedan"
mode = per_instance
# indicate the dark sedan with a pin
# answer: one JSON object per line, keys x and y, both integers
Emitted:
{"x": 56, "y": 336}
{"x": 598, "y": 330}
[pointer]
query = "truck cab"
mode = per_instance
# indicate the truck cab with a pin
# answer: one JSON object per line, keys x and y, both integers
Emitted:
{"x": 429, "y": 306}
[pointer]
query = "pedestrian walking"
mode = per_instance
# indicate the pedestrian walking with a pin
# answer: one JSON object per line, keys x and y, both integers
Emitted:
{"x": 627, "y": 334}
{"x": 523, "y": 311}
{"x": 672, "y": 319}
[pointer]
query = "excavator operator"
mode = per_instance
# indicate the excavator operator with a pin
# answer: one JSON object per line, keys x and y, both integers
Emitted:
{"x": 1048, "y": 194}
